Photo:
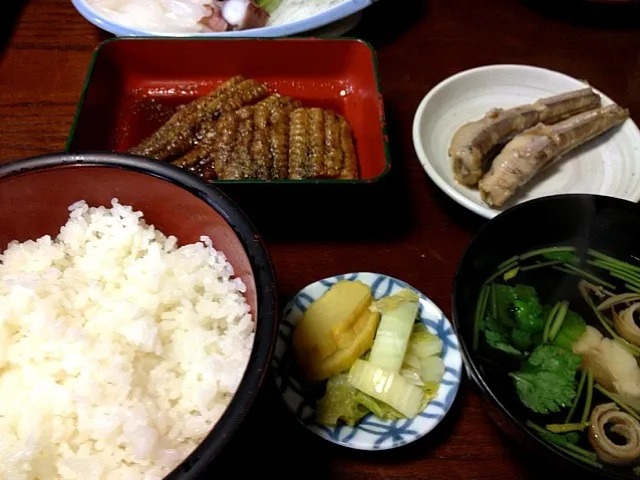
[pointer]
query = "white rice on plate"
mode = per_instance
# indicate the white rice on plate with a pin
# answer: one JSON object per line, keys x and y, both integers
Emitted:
{"x": 180, "y": 16}
{"x": 119, "y": 350}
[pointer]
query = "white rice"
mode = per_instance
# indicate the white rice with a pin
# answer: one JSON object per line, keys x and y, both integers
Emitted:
{"x": 119, "y": 351}
{"x": 181, "y": 16}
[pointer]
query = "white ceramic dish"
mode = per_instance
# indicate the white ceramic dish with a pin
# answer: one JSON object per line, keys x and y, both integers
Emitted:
{"x": 609, "y": 165}
{"x": 338, "y": 15}
{"x": 370, "y": 433}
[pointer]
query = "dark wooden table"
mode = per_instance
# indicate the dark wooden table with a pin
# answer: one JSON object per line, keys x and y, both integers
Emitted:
{"x": 45, "y": 47}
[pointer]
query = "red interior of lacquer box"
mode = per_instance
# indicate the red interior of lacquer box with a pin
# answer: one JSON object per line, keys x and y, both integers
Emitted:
{"x": 136, "y": 84}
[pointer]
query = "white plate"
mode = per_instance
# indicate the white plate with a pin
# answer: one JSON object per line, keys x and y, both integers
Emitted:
{"x": 333, "y": 15}
{"x": 609, "y": 165}
{"x": 336, "y": 29}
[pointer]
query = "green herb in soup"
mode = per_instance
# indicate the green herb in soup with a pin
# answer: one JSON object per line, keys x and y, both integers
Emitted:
{"x": 546, "y": 381}
{"x": 577, "y": 375}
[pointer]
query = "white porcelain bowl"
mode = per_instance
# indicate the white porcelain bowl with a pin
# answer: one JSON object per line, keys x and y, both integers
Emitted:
{"x": 370, "y": 433}
{"x": 607, "y": 166}
{"x": 338, "y": 15}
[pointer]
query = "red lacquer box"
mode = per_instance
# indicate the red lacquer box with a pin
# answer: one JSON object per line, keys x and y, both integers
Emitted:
{"x": 135, "y": 84}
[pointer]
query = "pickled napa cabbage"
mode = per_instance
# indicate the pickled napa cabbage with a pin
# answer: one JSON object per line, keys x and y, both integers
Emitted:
{"x": 388, "y": 387}
{"x": 340, "y": 403}
{"x": 423, "y": 356}
{"x": 398, "y": 316}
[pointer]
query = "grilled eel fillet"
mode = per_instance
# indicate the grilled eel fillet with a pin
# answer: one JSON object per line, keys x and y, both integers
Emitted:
{"x": 321, "y": 145}
{"x": 276, "y": 139}
{"x": 473, "y": 141}
{"x": 249, "y": 143}
{"x": 538, "y": 147}
{"x": 184, "y": 128}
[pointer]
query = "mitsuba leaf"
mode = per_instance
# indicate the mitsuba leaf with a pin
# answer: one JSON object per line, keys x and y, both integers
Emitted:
{"x": 521, "y": 339}
{"x": 546, "y": 381}
{"x": 515, "y": 319}
{"x": 527, "y": 309}
{"x": 519, "y": 307}
{"x": 500, "y": 342}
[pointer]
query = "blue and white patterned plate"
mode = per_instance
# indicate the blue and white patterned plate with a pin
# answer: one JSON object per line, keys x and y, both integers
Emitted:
{"x": 371, "y": 433}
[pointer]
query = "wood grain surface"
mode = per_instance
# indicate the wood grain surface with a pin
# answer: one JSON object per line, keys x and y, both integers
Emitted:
{"x": 45, "y": 48}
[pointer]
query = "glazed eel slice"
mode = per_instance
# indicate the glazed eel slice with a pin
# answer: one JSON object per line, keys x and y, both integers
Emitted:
{"x": 201, "y": 160}
{"x": 540, "y": 146}
{"x": 250, "y": 143}
{"x": 185, "y": 127}
{"x": 321, "y": 145}
{"x": 473, "y": 141}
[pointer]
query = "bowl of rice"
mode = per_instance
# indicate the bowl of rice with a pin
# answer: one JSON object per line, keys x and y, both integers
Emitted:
{"x": 137, "y": 319}
{"x": 217, "y": 18}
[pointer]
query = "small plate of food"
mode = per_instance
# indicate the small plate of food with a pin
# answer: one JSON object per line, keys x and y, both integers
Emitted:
{"x": 366, "y": 361}
{"x": 499, "y": 135}
{"x": 219, "y": 18}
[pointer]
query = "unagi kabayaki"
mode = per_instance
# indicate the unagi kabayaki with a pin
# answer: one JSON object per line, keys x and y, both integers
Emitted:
{"x": 237, "y": 132}
{"x": 183, "y": 129}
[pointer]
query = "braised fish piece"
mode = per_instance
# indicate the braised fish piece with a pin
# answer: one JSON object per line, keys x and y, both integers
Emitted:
{"x": 473, "y": 141}
{"x": 195, "y": 169}
{"x": 225, "y": 138}
{"x": 158, "y": 143}
{"x": 538, "y": 147}
{"x": 320, "y": 145}
{"x": 239, "y": 164}
{"x": 279, "y": 120}
{"x": 202, "y": 153}
{"x": 268, "y": 119}
{"x": 260, "y": 158}
{"x": 333, "y": 144}
{"x": 316, "y": 149}
{"x": 189, "y": 123}
{"x": 250, "y": 142}
{"x": 300, "y": 163}
{"x": 231, "y": 151}
{"x": 349, "y": 168}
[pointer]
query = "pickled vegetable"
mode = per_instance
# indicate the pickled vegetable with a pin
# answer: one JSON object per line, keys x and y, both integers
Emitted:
{"x": 423, "y": 343}
{"x": 398, "y": 316}
{"x": 431, "y": 369}
{"x": 423, "y": 357}
{"x": 379, "y": 409}
{"x": 388, "y": 387}
{"x": 340, "y": 404}
{"x": 353, "y": 344}
{"x": 319, "y": 332}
